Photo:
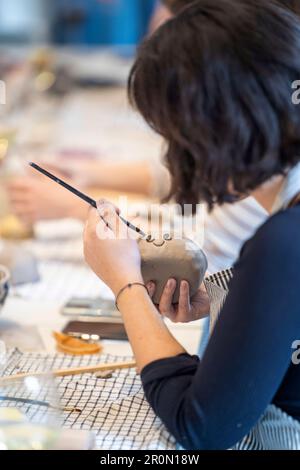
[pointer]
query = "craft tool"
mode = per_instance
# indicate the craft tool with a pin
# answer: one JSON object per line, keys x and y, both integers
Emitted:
{"x": 81, "y": 195}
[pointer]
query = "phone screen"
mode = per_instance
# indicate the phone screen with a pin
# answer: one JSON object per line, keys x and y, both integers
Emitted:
{"x": 105, "y": 330}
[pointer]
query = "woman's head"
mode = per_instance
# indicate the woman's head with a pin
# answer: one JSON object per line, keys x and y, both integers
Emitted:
{"x": 293, "y": 5}
{"x": 175, "y": 6}
{"x": 216, "y": 83}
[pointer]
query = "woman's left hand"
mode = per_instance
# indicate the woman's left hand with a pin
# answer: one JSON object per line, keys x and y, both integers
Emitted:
{"x": 186, "y": 310}
{"x": 110, "y": 248}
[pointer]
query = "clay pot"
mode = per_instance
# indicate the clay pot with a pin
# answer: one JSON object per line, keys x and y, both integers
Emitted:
{"x": 165, "y": 258}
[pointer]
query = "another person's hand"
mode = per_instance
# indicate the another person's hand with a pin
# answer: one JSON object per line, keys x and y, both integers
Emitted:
{"x": 185, "y": 310}
{"x": 35, "y": 198}
{"x": 84, "y": 172}
{"x": 110, "y": 248}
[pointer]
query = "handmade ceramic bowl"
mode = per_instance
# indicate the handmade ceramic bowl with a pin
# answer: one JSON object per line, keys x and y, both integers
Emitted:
{"x": 166, "y": 258}
{"x": 4, "y": 285}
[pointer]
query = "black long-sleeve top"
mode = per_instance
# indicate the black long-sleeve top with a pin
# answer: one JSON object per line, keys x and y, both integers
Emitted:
{"x": 213, "y": 403}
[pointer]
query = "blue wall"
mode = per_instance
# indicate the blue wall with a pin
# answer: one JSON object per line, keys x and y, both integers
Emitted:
{"x": 102, "y": 21}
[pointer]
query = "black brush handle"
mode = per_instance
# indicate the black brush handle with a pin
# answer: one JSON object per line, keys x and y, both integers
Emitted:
{"x": 81, "y": 195}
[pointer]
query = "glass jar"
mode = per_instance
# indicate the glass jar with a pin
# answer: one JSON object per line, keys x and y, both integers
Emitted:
{"x": 30, "y": 415}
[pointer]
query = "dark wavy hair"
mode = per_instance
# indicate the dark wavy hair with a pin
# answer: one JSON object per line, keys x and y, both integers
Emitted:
{"x": 293, "y": 5}
{"x": 216, "y": 83}
{"x": 176, "y": 6}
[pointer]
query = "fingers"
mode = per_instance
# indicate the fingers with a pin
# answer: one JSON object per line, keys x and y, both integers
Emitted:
{"x": 18, "y": 185}
{"x": 92, "y": 221}
{"x": 97, "y": 227}
{"x": 58, "y": 167}
{"x": 26, "y": 213}
{"x": 23, "y": 199}
{"x": 106, "y": 224}
{"x": 22, "y": 205}
{"x": 103, "y": 203}
{"x": 90, "y": 230}
{"x": 109, "y": 214}
{"x": 166, "y": 301}
{"x": 151, "y": 289}
{"x": 184, "y": 296}
{"x": 184, "y": 305}
{"x": 178, "y": 313}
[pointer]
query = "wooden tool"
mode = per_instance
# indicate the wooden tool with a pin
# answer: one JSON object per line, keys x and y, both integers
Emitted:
{"x": 72, "y": 371}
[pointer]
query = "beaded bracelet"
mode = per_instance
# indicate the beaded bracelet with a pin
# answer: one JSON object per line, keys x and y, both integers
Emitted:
{"x": 128, "y": 286}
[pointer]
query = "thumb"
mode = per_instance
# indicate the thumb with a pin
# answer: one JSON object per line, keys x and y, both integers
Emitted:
{"x": 103, "y": 204}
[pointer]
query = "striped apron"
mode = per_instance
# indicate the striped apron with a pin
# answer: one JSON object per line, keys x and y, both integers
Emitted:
{"x": 275, "y": 430}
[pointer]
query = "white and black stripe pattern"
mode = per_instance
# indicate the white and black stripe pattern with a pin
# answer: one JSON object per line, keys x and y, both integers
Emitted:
{"x": 289, "y": 190}
{"x": 217, "y": 287}
{"x": 226, "y": 230}
{"x": 276, "y": 430}
{"x": 221, "y": 279}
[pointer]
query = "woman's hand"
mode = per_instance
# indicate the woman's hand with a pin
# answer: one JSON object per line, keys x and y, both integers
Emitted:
{"x": 83, "y": 172}
{"x": 185, "y": 310}
{"x": 110, "y": 248}
{"x": 34, "y": 198}
{"x": 116, "y": 260}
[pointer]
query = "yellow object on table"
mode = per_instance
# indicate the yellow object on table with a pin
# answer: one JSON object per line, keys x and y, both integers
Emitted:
{"x": 69, "y": 345}
{"x": 11, "y": 228}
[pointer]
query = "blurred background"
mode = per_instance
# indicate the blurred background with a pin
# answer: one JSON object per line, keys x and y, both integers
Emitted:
{"x": 64, "y": 67}
{"x": 92, "y": 22}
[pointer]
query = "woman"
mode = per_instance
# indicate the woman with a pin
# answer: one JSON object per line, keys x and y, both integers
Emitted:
{"x": 216, "y": 83}
{"x": 226, "y": 228}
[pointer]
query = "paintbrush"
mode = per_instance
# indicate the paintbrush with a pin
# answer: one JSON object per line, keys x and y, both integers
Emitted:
{"x": 81, "y": 195}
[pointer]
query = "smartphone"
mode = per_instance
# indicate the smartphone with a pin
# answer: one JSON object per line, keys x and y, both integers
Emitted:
{"x": 103, "y": 309}
{"x": 104, "y": 329}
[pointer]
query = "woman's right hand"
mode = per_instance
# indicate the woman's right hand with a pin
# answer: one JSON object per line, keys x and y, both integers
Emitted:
{"x": 186, "y": 310}
{"x": 35, "y": 198}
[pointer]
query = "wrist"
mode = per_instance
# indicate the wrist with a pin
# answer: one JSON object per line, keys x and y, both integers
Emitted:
{"x": 119, "y": 284}
{"x": 132, "y": 294}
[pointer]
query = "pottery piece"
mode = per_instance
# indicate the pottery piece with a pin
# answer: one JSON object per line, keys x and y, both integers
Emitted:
{"x": 166, "y": 258}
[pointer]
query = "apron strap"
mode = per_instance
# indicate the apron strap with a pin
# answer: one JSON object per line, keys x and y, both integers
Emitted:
{"x": 294, "y": 201}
